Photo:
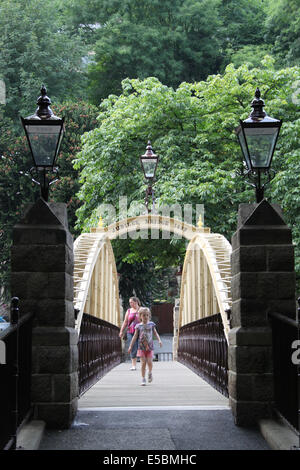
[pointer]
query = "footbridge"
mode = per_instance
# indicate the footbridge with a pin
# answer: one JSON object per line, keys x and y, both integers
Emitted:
{"x": 201, "y": 327}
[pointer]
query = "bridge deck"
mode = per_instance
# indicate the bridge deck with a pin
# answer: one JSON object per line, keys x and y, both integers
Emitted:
{"x": 174, "y": 385}
{"x": 178, "y": 411}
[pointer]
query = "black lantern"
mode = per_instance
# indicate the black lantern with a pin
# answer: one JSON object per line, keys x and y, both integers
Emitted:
{"x": 257, "y": 136}
{"x": 178, "y": 275}
{"x": 44, "y": 132}
{"x": 149, "y": 162}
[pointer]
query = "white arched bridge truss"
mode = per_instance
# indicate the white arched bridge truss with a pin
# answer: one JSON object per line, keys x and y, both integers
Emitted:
{"x": 205, "y": 286}
{"x": 206, "y": 278}
{"x": 96, "y": 290}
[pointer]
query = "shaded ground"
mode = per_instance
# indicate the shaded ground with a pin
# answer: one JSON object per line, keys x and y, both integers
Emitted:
{"x": 154, "y": 430}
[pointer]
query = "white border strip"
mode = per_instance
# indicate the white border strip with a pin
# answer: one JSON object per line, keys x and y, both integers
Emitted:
{"x": 156, "y": 408}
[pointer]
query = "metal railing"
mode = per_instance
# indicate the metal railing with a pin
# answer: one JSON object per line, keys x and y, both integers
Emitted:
{"x": 203, "y": 348}
{"x": 285, "y": 332}
{"x": 15, "y": 376}
{"x": 99, "y": 348}
{"x": 163, "y": 356}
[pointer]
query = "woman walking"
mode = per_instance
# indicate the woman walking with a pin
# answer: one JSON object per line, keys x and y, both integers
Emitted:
{"x": 131, "y": 319}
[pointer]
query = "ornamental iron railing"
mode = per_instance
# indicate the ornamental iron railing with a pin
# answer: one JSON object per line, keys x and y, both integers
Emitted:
{"x": 203, "y": 348}
{"x": 15, "y": 376}
{"x": 99, "y": 349}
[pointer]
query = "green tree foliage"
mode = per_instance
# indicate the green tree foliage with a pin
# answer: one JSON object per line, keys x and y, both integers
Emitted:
{"x": 16, "y": 187}
{"x": 173, "y": 40}
{"x": 79, "y": 117}
{"x": 144, "y": 266}
{"x": 192, "y": 128}
{"x": 283, "y": 30}
{"x": 35, "y": 49}
{"x": 243, "y": 22}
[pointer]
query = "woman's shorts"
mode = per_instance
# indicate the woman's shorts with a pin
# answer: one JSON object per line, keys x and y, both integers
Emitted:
{"x": 145, "y": 354}
{"x": 134, "y": 347}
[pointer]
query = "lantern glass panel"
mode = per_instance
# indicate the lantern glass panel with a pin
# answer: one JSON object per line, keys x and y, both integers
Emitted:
{"x": 243, "y": 145}
{"x": 44, "y": 141}
{"x": 261, "y": 144}
{"x": 149, "y": 166}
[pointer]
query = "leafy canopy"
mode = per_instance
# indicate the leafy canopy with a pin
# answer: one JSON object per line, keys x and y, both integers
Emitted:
{"x": 36, "y": 48}
{"x": 192, "y": 129}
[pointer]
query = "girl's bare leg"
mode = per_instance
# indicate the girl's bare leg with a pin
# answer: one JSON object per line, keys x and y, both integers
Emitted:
{"x": 143, "y": 366}
{"x": 149, "y": 363}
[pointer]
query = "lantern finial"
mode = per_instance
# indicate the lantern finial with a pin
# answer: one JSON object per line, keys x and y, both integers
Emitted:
{"x": 257, "y": 104}
{"x": 44, "y": 111}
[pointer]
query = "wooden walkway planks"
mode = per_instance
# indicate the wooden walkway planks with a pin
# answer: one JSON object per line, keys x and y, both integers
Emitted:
{"x": 174, "y": 385}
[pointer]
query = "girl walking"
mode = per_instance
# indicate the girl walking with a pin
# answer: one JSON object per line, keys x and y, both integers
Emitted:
{"x": 144, "y": 333}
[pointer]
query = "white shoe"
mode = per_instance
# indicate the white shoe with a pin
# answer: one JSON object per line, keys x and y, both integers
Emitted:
{"x": 143, "y": 381}
{"x": 132, "y": 368}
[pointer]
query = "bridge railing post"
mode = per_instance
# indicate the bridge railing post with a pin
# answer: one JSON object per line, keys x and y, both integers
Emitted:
{"x": 263, "y": 280}
{"x": 42, "y": 278}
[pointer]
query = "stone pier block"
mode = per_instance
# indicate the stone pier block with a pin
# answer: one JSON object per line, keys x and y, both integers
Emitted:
{"x": 263, "y": 281}
{"x": 42, "y": 277}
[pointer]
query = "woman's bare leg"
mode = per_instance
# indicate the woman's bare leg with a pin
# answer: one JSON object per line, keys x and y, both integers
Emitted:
{"x": 133, "y": 362}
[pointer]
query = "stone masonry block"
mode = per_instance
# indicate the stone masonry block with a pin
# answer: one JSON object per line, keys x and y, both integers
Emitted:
{"x": 42, "y": 285}
{"x": 280, "y": 258}
{"x": 255, "y": 336}
{"x": 53, "y": 312}
{"x": 25, "y": 285}
{"x": 250, "y": 387}
{"x": 28, "y": 235}
{"x": 254, "y": 236}
{"x": 60, "y": 285}
{"x": 54, "y": 336}
{"x": 263, "y": 285}
{"x": 249, "y": 313}
{"x": 56, "y": 415}
{"x": 249, "y": 259}
{"x": 65, "y": 387}
{"x": 248, "y": 413}
{"x": 74, "y": 359}
{"x": 265, "y": 214}
{"x": 53, "y": 360}
{"x": 250, "y": 359}
{"x": 41, "y": 258}
{"x": 41, "y": 388}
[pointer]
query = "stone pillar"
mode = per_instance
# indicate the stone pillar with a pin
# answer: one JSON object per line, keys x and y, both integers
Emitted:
{"x": 42, "y": 278}
{"x": 263, "y": 281}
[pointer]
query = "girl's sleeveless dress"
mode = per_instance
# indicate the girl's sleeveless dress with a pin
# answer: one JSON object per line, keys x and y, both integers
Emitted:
{"x": 146, "y": 345}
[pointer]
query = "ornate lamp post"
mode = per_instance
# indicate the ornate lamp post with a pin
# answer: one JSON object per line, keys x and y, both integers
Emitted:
{"x": 44, "y": 132}
{"x": 257, "y": 136}
{"x": 178, "y": 275}
{"x": 149, "y": 162}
